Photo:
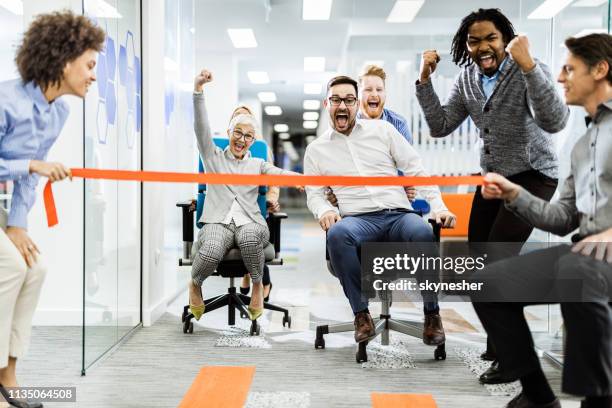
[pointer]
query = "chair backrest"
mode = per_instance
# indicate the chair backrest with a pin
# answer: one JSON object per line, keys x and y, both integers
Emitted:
{"x": 258, "y": 149}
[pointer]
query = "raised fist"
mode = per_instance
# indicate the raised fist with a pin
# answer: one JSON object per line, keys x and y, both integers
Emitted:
{"x": 202, "y": 78}
{"x": 429, "y": 62}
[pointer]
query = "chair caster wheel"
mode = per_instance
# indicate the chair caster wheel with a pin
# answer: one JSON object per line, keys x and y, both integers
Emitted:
{"x": 287, "y": 320}
{"x": 319, "y": 343}
{"x": 362, "y": 355}
{"x": 185, "y": 313}
{"x": 254, "y": 328}
{"x": 440, "y": 352}
{"x": 188, "y": 326}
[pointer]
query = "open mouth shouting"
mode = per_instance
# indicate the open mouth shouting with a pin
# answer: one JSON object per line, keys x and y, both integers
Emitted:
{"x": 342, "y": 120}
{"x": 239, "y": 147}
{"x": 487, "y": 61}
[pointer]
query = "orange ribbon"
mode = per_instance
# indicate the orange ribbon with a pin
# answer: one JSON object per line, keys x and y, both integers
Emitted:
{"x": 251, "y": 179}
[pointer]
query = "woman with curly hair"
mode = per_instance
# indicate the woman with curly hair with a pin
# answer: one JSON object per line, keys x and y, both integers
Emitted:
{"x": 56, "y": 57}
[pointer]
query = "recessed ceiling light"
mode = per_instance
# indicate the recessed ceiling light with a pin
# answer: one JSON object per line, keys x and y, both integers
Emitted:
{"x": 548, "y": 9}
{"x": 258, "y": 77}
{"x": 273, "y": 110}
{"x": 284, "y": 136}
{"x": 281, "y": 128}
{"x": 316, "y": 9}
{"x": 310, "y": 124}
{"x": 314, "y": 64}
{"x": 267, "y": 97}
{"x": 242, "y": 37}
{"x": 310, "y": 116}
{"x": 311, "y": 104}
{"x": 312, "y": 88}
{"x": 404, "y": 11}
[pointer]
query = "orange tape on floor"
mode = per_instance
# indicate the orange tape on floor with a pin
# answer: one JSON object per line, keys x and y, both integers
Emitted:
{"x": 219, "y": 387}
{"x": 252, "y": 179}
{"x": 380, "y": 400}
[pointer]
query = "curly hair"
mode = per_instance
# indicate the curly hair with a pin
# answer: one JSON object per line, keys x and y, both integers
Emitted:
{"x": 461, "y": 55}
{"x": 53, "y": 40}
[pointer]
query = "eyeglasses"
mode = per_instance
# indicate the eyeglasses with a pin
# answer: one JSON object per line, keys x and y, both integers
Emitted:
{"x": 239, "y": 135}
{"x": 348, "y": 101}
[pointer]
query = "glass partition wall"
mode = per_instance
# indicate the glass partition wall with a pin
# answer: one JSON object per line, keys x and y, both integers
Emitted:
{"x": 112, "y": 132}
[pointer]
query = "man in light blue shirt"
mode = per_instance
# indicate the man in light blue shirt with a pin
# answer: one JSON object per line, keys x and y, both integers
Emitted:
{"x": 373, "y": 96}
{"x": 57, "y": 57}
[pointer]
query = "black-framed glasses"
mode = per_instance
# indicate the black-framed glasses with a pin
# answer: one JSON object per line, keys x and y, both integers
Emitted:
{"x": 239, "y": 135}
{"x": 348, "y": 101}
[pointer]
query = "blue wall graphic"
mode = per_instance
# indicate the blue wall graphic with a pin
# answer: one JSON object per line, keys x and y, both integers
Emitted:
{"x": 130, "y": 78}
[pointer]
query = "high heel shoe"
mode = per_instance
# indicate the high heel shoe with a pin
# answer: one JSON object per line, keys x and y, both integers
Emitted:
{"x": 254, "y": 313}
{"x": 269, "y": 291}
{"x": 18, "y": 403}
{"x": 197, "y": 311}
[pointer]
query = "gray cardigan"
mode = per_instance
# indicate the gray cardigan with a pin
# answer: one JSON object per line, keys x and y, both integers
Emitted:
{"x": 515, "y": 123}
{"x": 219, "y": 197}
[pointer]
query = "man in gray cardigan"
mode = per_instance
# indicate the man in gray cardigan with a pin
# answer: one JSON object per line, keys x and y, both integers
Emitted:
{"x": 513, "y": 101}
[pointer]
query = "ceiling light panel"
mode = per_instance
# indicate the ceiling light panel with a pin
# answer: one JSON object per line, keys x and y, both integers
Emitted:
{"x": 267, "y": 97}
{"x": 316, "y": 9}
{"x": 242, "y": 37}
{"x": 404, "y": 11}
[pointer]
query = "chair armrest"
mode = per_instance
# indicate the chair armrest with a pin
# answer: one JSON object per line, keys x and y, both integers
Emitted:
{"x": 274, "y": 225}
{"x": 436, "y": 229}
{"x": 187, "y": 211}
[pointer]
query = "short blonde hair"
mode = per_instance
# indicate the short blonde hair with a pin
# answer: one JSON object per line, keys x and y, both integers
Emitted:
{"x": 373, "y": 70}
{"x": 244, "y": 119}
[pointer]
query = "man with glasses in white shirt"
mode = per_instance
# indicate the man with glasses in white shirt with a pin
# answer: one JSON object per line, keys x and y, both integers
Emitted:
{"x": 354, "y": 147}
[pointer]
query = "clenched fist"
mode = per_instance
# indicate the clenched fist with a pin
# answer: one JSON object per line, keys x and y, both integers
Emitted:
{"x": 429, "y": 62}
{"x": 53, "y": 171}
{"x": 202, "y": 78}
{"x": 518, "y": 48}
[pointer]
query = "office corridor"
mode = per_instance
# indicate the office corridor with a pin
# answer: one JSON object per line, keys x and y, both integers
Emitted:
{"x": 289, "y": 371}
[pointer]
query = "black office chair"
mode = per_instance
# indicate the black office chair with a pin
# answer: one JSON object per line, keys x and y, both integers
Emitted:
{"x": 232, "y": 265}
{"x": 382, "y": 324}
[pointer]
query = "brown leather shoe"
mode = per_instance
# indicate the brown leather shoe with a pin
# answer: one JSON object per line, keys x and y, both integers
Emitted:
{"x": 433, "y": 332}
{"x": 364, "y": 327}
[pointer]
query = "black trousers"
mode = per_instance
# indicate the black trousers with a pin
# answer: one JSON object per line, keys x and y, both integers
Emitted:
{"x": 490, "y": 221}
{"x": 587, "y": 367}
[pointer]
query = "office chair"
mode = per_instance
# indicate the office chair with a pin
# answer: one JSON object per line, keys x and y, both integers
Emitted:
{"x": 385, "y": 323}
{"x": 232, "y": 265}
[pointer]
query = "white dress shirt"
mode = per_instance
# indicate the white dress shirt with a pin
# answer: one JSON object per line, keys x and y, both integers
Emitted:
{"x": 237, "y": 214}
{"x": 374, "y": 148}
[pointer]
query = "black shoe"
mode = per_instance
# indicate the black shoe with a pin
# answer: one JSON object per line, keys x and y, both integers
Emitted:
{"x": 270, "y": 291}
{"x": 245, "y": 291}
{"x": 18, "y": 403}
{"x": 488, "y": 355}
{"x": 520, "y": 401}
{"x": 495, "y": 375}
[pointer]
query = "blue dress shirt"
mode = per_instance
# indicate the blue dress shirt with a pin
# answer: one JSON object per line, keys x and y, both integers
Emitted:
{"x": 398, "y": 121}
{"x": 489, "y": 82}
{"x": 29, "y": 125}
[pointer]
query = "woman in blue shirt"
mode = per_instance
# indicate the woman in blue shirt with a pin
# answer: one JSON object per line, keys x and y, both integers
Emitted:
{"x": 56, "y": 57}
